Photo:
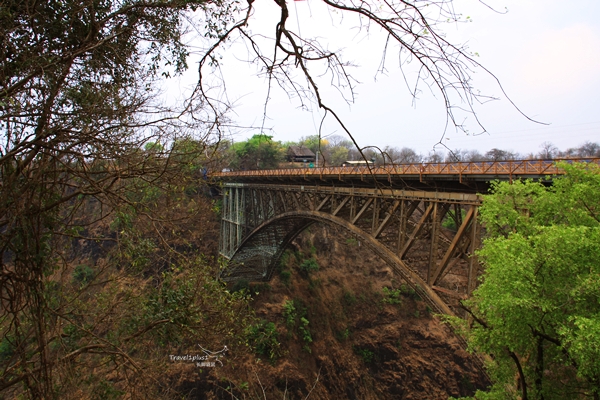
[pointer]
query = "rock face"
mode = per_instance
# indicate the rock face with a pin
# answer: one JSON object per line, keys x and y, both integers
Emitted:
{"x": 349, "y": 330}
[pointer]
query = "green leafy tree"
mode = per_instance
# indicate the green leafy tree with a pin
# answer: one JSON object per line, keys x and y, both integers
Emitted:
{"x": 92, "y": 208}
{"x": 258, "y": 152}
{"x": 537, "y": 310}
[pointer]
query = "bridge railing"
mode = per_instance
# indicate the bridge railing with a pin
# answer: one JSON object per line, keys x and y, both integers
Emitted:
{"x": 501, "y": 168}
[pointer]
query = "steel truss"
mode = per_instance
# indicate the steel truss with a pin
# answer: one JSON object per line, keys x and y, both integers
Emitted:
{"x": 403, "y": 227}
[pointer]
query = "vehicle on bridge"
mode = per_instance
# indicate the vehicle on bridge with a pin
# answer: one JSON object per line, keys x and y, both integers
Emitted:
{"x": 360, "y": 163}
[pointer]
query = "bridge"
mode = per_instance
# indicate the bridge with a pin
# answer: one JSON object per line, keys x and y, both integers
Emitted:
{"x": 421, "y": 219}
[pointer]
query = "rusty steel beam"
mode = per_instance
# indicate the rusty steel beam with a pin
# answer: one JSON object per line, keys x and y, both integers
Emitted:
{"x": 403, "y": 227}
{"x": 459, "y": 235}
{"x": 387, "y": 219}
{"x": 507, "y": 170}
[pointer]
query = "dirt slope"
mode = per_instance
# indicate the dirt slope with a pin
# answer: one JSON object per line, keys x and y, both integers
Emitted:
{"x": 341, "y": 334}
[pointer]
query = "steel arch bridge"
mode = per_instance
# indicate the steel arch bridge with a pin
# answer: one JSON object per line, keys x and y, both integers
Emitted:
{"x": 403, "y": 227}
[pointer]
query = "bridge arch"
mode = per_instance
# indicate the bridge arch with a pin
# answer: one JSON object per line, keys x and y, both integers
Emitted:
{"x": 257, "y": 256}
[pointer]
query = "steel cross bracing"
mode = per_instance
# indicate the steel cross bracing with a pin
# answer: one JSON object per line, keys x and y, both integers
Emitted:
{"x": 403, "y": 227}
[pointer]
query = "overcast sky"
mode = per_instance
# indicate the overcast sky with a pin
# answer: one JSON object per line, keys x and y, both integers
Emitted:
{"x": 545, "y": 53}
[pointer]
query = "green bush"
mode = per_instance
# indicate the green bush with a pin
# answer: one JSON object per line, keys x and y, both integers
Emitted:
{"x": 366, "y": 354}
{"x": 289, "y": 314}
{"x": 343, "y": 335}
{"x": 348, "y": 299}
{"x": 83, "y": 274}
{"x": 284, "y": 259}
{"x": 263, "y": 338}
{"x": 304, "y": 331}
{"x": 294, "y": 315}
{"x": 308, "y": 266}
{"x": 409, "y": 292}
{"x": 285, "y": 276}
{"x": 7, "y": 349}
{"x": 391, "y": 296}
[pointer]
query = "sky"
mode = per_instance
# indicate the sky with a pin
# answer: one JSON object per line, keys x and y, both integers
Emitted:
{"x": 544, "y": 53}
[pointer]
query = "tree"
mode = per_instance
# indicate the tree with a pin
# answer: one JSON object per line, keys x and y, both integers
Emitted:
{"x": 537, "y": 310}
{"x": 407, "y": 156}
{"x": 402, "y": 156}
{"x": 548, "y": 152}
{"x": 456, "y": 155}
{"x": 434, "y": 157}
{"x": 338, "y": 150}
{"x": 339, "y": 154}
{"x": 589, "y": 149}
{"x": 91, "y": 248}
{"x": 258, "y": 152}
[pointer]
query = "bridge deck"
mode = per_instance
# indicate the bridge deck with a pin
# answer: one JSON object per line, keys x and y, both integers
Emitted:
{"x": 459, "y": 171}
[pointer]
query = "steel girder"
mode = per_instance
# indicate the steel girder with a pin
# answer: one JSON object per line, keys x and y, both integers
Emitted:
{"x": 403, "y": 227}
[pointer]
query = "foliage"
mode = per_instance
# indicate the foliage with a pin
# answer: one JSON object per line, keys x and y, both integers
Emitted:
{"x": 365, "y": 354}
{"x": 391, "y": 296}
{"x": 289, "y": 314}
{"x": 263, "y": 338}
{"x": 309, "y": 266}
{"x": 83, "y": 274}
{"x": 348, "y": 298}
{"x": 284, "y": 274}
{"x": 537, "y": 310}
{"x": 258, "y": 152}
{"x": 409, "y": 291}
{"x": 295, "y": 316}
{"x": 286, "y": 277}
{"x": 451, "y": 221}
{"x": 95, "y": 268}
{"x": 343, "y": 334}
{"x": 305, "y": 333}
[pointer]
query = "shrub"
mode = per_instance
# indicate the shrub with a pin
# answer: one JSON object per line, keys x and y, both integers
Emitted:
{"x": 308, "y": 266}
{"x": 391, "y": 296}
{"x": 289, "y": 314}
{"x": 409, "y": 292}
{"x": 284, "y": 259}
{"x": 285, "y": 277}
{"x": 348, "y": 299}
{"x": 366, "y": 354}
{"x": 343, "y": 335}
{"x": 7, "y": 349}
{"x": 263, "y": 338}
{"x": 304, "y": 331}
{"x": 83, "y": 274}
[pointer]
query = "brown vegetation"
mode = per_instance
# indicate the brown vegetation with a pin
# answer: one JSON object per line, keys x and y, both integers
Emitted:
{"x": 347, "y": 330}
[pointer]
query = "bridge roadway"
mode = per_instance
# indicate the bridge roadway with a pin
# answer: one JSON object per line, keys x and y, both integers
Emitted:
{"x": 421, "y": 219}
{"x": 460, "y": 176}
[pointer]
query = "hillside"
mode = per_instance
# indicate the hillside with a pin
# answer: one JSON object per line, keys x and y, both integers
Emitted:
{"x": 342, "y": 327}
